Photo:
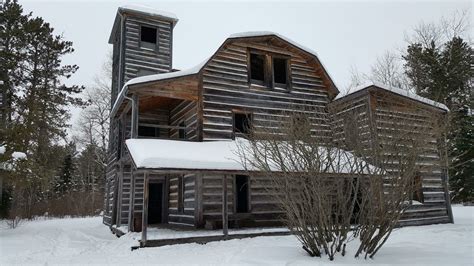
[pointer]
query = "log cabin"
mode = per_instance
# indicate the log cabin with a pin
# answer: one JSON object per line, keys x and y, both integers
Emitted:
{"x": 172, "y": 131}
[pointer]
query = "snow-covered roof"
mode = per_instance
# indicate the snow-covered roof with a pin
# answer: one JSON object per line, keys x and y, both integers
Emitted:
{"x": 218, "y": 155}
{"x": 154, "y": 77}
{"x": 144, "y": 10}
{"x": 149, "y": 11}
{"x": 398, "y": 91}
{"x": 163, "y": 76}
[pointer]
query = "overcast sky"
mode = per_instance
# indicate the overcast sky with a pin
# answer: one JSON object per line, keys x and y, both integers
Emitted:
{"x": 343, "y": 33}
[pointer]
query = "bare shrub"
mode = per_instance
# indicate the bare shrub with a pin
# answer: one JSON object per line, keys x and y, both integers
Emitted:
{"x": 335, "y": 192}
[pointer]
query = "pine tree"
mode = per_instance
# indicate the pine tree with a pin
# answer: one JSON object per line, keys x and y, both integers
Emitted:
{"x": 445, "y": 74}
{"x": 38, "y": 100}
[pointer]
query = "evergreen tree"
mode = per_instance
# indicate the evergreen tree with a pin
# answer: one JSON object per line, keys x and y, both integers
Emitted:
{"x": 445, "y": 74}
{"x": 65, "y": 181}
{"x": 38, "y": 100}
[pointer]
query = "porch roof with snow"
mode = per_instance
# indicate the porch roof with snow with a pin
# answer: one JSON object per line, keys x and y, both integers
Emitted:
{"x": 169, "y": 78}
{"x": 410, "y": 95}
{"x": 219, "y": 156}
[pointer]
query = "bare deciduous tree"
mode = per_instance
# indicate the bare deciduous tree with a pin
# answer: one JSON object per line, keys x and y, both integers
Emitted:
{"x": 330, "y": 196}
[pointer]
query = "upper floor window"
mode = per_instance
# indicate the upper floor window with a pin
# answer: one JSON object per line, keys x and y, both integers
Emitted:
{"x": 257, "y": 68}
{"x": 280, "y": 71}
{"x": 148, "y": 37}
{"x": 269, "y": 69}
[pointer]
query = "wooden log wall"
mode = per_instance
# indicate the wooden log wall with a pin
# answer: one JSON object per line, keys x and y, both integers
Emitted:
{"x": 390, "y": 115}
{"x": 263, "y": 208}
{"x": 156, "y": 117}
{"x": 187, "y": 215}
{"x": 186, "y": 112}
{"x": 226, "y": 87}
{"x": 125, "y": 195}
{"x": 139, "y": 58}
{"x": 433, "y": 210}
{"x": 134, "y": 58}
{"x": 211, "y": 198}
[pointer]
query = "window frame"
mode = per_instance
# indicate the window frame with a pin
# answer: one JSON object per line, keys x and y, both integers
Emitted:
{"x": 266, "y": 77}
{"x": 269, "y": 72}
{"x": 240, "y": 112}
{"x": 148, "y": 45}
{"x": 287, "y": 59}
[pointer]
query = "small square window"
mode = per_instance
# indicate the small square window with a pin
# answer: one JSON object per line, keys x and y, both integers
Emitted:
{"x": 148, "y": 37}
{"x": 280, "y": 73}
{"x": 257, "y": 67}
{"x": 242, "y": 124}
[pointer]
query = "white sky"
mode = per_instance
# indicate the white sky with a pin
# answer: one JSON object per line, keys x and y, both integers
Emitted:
{"x": 343, "y": 33}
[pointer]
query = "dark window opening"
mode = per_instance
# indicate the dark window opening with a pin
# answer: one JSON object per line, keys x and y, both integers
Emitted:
{"x": 257, "y": 67}
{"x": 182, "y": 131}
{"x": 417, "y": 193}
{"x": 146, "y": 131}
{"x": 148, "y": 34}
{"x": 242, "y": 124}
{"x": 280, "y": 74}
{"x": 242, "y": 193}
{"x": 180, "y": 194}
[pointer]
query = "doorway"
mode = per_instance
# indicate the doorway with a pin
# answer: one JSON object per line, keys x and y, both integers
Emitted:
{"x": 242, "y": 193}
{"x": 155, "y": 203}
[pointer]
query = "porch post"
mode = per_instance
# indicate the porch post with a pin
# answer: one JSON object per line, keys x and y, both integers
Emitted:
{"x": 145, "y": 210}
{"x": 134, "y": 129}
{"x": 131, "y": 205}
{"x": 225, "y": 218}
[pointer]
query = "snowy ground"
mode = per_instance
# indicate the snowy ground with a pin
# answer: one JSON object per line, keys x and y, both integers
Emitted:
{"x": 88, "y": 241}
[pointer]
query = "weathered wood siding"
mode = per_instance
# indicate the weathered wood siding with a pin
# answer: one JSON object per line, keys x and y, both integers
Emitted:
{"x": 380, "y": 116}
{"x": 226, "y": 87}
{"x": 263, "y": 208}
{"x": 139, "y": 58}
{"x": 186, "y": 112}
{"x": 187, "y": 215}
{"x": 211, "y": 198}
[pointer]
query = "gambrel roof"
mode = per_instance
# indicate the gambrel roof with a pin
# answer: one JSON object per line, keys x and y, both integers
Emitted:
{"x": 328, "y": 81}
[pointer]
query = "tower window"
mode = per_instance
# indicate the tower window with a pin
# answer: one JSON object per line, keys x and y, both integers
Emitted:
{"x": 242, "y": 124}
{"x": 148, "y": 37}
{"x": 257, "y": 67}
{"x": 280, "y": 73}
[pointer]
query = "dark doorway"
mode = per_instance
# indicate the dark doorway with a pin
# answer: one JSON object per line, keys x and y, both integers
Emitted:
{"x": 242, "y": 193}
{"x": 155, "y": 203}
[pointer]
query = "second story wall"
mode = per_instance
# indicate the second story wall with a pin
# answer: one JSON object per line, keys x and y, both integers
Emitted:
{"x": 227, "y": 88}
